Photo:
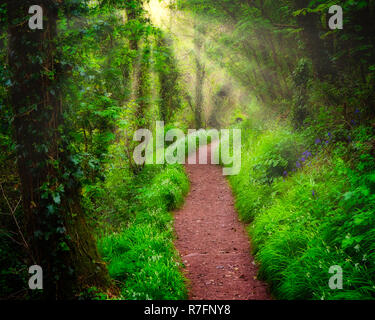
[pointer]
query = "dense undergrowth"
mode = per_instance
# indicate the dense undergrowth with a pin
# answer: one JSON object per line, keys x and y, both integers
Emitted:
{"x": 310, "y": 200}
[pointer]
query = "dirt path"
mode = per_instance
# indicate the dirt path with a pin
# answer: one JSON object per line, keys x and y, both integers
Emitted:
{"x": 212, "y": 242}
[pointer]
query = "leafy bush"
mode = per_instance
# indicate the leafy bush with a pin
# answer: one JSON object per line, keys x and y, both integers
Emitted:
{"x": 265, "y": 157}
{"x": 276, "y": 153}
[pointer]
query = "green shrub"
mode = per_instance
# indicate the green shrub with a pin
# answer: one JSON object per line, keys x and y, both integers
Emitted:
{"x": 266, "y": 156}
{"x": 276, "y": 152}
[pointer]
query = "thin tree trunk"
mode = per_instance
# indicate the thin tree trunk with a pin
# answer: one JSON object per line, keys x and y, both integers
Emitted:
{"x": 200, "y": 76}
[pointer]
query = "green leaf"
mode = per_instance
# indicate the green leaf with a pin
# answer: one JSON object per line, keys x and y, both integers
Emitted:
{"x": 56, "y": 198}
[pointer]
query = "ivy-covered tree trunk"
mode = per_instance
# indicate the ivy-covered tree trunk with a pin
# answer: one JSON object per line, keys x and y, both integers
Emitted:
{"x": 140, "y": 78}
{"x": 134, "y": 9}
{"x": 58, "y": 236}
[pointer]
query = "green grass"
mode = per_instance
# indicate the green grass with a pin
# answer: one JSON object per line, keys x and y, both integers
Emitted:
{"x": 319, "y": 216}
{"x": 141, "y": 257}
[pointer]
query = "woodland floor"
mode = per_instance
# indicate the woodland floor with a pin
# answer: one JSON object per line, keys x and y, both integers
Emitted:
{"x": 212, "y": 242}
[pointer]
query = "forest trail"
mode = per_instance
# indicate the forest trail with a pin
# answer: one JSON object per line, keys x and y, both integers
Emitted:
{"x": 213, "y": 244}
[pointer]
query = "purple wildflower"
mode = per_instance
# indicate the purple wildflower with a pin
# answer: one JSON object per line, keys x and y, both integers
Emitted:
{"x": 305, "y": 154}
{"x": 303, "y": 159}
{"x": 298, "y": 164}
{"x": 329, "y": 134}
{"x": 356, "y": 111}
{"x": 327, "y": 142}
{"x": 285, "y": 173}
{"x": 317, "y": 141}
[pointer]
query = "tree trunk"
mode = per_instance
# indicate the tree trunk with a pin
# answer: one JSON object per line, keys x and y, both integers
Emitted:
{"x": 140, "y": 75}
{"x": 199, "y": 82}
{"x": 314, "y": 44}
{"x": 57, "y": 233}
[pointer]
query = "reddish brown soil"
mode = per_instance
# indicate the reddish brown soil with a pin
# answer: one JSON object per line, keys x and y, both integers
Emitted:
{"x": 213, "y": 244}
